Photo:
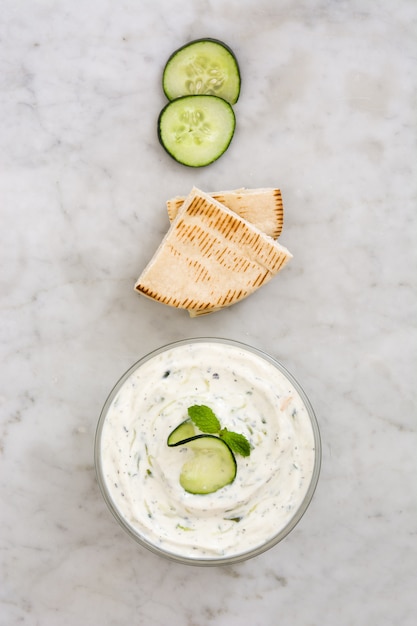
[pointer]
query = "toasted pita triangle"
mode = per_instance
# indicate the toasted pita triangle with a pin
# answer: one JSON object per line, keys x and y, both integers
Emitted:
{"x": 210, "y": 258}
{"x": 263, "y": 207}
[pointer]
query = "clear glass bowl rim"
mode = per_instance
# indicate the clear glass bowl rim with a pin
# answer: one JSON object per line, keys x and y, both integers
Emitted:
{"x": 220, "y": 560}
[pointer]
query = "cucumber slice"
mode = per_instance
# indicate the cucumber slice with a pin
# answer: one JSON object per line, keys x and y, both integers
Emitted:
{"x": 203, "y": 66}
{"x": 185, "y": 430}
{"x": 196, "y": 130}
{"x": 212, "y": 467}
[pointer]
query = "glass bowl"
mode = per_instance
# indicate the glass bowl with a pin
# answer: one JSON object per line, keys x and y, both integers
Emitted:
{"x": 138, "y": 473}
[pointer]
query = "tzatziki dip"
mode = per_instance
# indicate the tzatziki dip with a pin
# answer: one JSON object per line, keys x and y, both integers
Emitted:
{"x": 251, "y": 394}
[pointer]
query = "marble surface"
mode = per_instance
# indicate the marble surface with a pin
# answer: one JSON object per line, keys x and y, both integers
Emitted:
{"x": 327, "y": 113}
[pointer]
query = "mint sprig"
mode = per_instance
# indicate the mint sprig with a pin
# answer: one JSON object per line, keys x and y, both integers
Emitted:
{"x": 206, "y": 421}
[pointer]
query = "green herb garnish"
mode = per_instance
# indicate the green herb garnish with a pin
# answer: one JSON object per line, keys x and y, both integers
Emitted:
{"x": 212, "y": 465}
{"x": 206, "y": 421}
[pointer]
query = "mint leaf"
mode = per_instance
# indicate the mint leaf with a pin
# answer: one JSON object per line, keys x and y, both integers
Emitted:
{"x": 204, "y": 418}
{"x": 236, "y": 442}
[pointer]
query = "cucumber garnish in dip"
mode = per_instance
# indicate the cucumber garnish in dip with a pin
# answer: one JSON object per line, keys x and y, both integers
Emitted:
{"x": 213, "y": 464}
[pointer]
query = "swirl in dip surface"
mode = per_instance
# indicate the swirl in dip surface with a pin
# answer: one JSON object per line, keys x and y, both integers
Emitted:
{"x": 251, "y": 394}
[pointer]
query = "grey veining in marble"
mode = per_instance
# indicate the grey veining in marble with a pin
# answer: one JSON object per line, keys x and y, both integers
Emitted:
{"x": 327, "y": 113}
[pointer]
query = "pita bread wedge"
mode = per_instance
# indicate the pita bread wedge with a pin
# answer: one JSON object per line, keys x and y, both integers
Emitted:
{"x": 210, "y": 258}
{"x": 263, "y": 207}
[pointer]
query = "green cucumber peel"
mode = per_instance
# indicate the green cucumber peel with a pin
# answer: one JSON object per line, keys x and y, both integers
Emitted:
{"x": 181, "y": 433}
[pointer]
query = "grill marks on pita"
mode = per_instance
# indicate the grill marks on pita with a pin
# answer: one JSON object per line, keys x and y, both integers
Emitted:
{"x": 262, "y": 207}
{"x": 210, "y": 258}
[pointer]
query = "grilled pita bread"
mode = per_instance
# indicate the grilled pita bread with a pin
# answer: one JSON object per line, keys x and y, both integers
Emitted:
{"x": 262, "y": 207}
{"x": 210, "y": 258}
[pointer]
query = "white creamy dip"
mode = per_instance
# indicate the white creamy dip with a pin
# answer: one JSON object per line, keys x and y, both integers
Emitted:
{"x": 250, "y": 395}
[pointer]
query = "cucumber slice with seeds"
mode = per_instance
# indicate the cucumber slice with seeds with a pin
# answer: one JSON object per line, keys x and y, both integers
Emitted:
{"x": 204, "y": 66}
{"x": 196, "y": 130}
{"x": 185, "y": 430}
{"x": 212, "y": 467}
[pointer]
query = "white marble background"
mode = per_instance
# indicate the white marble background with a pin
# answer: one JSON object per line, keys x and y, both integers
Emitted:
{"x": 327, "y": 112}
